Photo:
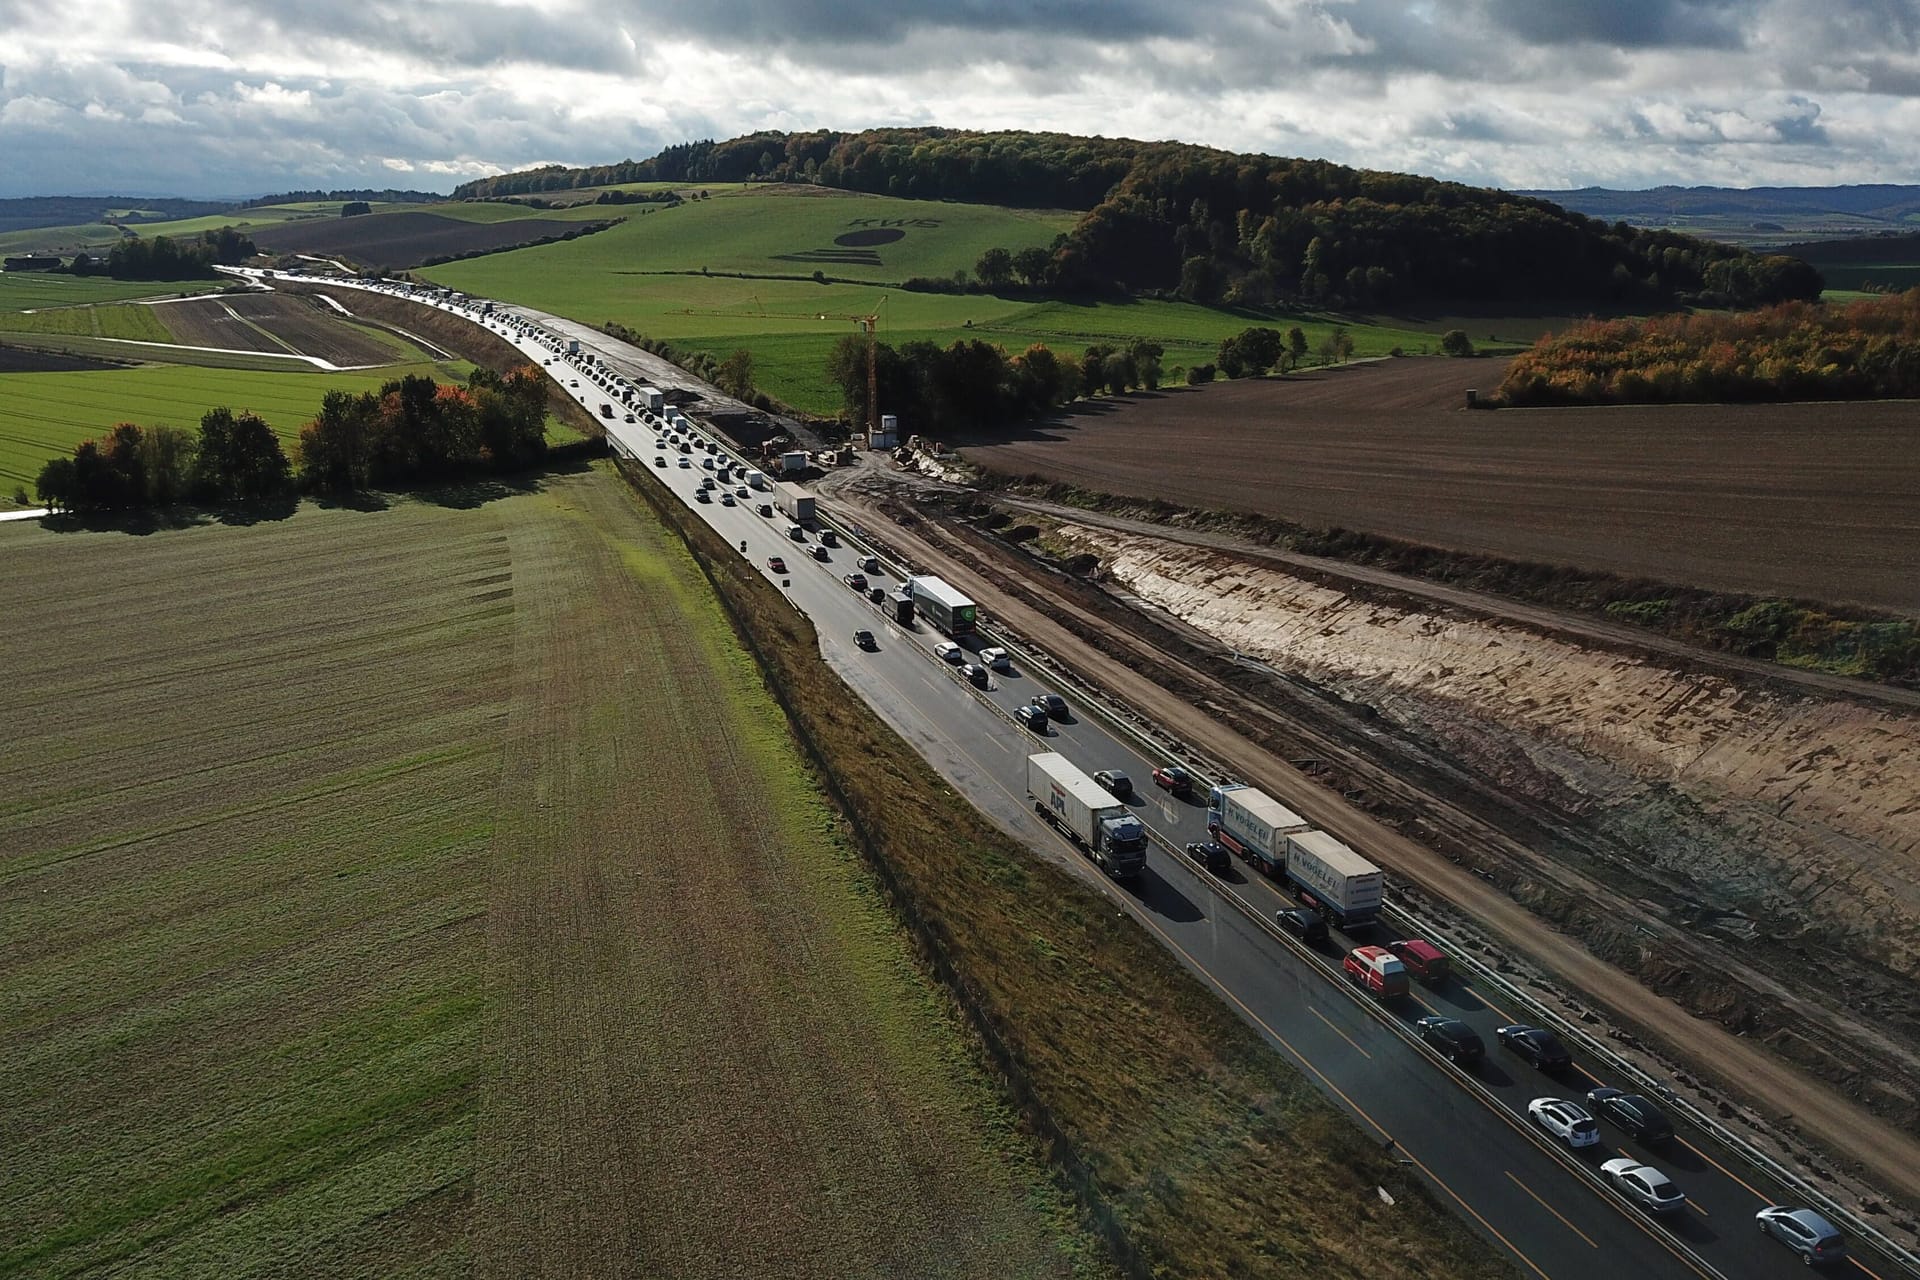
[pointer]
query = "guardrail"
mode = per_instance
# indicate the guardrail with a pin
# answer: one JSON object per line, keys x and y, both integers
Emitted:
{"x": 1134, "y": 729}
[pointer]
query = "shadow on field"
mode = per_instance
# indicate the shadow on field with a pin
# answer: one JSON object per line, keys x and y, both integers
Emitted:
{"x": 145, "y": 521}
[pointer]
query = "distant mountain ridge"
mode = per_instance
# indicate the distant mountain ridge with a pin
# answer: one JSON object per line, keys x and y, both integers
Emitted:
{"x": 1897, "y": 206}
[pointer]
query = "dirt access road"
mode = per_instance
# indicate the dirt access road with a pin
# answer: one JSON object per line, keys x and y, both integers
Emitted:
{"x": 1891, "y": 1159}
{"x": 1813, "y": 501}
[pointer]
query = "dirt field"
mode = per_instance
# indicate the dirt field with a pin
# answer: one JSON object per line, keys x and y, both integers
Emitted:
{"x": 278, "y": 323}
{"x": 402, "y": 239}
{"x": 1811, "y": 501}
{"x": 215, "y": 322}
{"x": 363, "y": 914}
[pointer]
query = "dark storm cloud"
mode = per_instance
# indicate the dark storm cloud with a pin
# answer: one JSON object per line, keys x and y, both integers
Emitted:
{"x": 1624, "y": 24}
{"x": 445, "y": 34}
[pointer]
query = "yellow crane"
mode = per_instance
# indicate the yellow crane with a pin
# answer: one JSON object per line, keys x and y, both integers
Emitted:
{"x": 869, "y": 325}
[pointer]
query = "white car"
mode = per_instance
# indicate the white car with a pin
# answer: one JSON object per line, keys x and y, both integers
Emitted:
{"x": 996, "y": 658}
{"x": 1643, "y": 1184}
{"x": 947, "y": 651}
{"x": 1565, "y": 1120}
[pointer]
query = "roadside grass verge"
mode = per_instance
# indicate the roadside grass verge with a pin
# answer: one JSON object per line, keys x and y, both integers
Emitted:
{"x": 1191, "y": 1143}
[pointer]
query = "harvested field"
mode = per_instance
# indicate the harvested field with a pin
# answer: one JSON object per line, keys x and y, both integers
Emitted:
{"x": 1812, "y": 501}
{"x": 213, "y": 322}
{"x": 283, "y": 322}
{"x": 362, "y": 915}
{"x": 406, "y": 239}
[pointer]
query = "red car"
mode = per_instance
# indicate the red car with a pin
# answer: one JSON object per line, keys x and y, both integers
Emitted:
{"x": 776, "y": 564}
{"x": 1423, "y": 960}
{"x": 1174, "y": 779}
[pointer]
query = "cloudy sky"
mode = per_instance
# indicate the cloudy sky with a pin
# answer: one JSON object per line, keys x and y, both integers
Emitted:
{"x": 243, "y": 97}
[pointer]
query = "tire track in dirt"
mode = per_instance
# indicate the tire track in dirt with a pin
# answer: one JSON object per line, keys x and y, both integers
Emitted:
{"x": 701, "y": 1066}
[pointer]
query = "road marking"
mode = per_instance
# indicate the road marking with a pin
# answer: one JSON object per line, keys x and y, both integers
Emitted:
{"x": 1337, "y": 1031}
{"x": 1863, "y": 1266}
{"x": 1358, "y": 1110}
{"x": 1722, "y": 1168}
{"x": 1550, "y": 1209}
{"x": 1697, "y": 1209}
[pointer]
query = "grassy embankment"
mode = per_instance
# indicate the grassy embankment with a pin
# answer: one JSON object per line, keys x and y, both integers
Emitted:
{"x": 1816, "y": 637}
{"x": 363, "y": 915}
{"x": 1185, "y": 1134}
{"x": 648, "y": 275}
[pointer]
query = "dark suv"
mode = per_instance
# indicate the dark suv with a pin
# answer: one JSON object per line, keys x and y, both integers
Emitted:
{"x": 1308, "y": 926}
{"x": 1456, "y": 1041}
{"x": 1636, "y": 1117}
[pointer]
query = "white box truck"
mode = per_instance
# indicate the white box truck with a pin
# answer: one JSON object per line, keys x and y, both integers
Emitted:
{"x": 1084, "y": 809}
{"x": 794, "y": 502}
{"x": 653, "y": 398}
{"x": 1334, "y": 878}
{"x": 1253, "y": 825}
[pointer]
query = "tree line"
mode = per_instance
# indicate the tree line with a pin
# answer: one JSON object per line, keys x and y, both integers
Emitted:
{"x": 164, "y": 258}
{"x": 973, "y": 384}
{"x": 411, "y": 431}
{"x": 1868, "y": 349}
{"x": 1243, "y": 230}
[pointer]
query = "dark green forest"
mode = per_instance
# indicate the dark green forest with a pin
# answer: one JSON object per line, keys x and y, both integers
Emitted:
{"x": 1172, "y": 219}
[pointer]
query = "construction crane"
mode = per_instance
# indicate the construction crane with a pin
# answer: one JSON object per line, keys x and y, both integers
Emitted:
{"x": 869, "y": 325}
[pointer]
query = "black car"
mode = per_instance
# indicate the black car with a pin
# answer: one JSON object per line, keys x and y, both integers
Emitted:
{"x": 1115, "y": 782}
{"x": 1540, "y": 1048}
{"x": 1308, "y": 926}
{"x": 1210, "y": 854}
{"x": 975, "y": 673}
{"x": 1636, "y": 1117}
{"x": 1031, "y": 717}
{"x": 1456, "y": 1041}
{"x": 864, "y": 639}
{"x": 877, "y": 594}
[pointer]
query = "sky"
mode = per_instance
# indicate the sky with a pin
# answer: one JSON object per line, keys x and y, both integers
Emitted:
{"x": 246, "y": 97}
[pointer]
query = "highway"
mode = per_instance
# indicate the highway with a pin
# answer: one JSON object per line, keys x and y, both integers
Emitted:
{"x": 1467, "y": 1132}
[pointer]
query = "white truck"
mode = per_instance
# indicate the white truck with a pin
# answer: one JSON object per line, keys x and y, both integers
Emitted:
{"x": 794, "y": 502}
{"x": 1087, "y": 812}
{"x": 1334, "y": 878}
{"x": 1253, "y": 825}
{"x": 653, "y": 398}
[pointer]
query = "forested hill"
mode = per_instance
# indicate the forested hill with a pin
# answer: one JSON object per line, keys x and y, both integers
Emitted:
{"x": 1217, "y": 227}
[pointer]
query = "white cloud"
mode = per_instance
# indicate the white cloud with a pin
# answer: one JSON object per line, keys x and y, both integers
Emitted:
{"x": 245, "y": 96}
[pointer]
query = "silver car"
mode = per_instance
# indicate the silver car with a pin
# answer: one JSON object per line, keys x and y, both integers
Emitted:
{"x": 1565, "y": 1120}
{"x": 1643, "y": 1184}
{"x": 1816, "y": 1240}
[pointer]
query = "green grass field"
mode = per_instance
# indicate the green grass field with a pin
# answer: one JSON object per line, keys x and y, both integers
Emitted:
{"x": 791, "y": 324}
{"x": 43, "y": 415}
{"x": 365, "y": 915}
{"x": 29, "y": 290}
{"x": 125, "y": 320}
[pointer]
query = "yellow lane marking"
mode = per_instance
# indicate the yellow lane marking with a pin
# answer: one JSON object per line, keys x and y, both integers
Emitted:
{"x": 1337, "y": 1031}
{"x": 1722, "y": 1168}
{"x": 1550, "y": 1209}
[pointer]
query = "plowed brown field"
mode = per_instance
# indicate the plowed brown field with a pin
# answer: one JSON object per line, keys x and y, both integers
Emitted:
{"x": 281, "y": 323}
{"x": 401, "y": 239}
{"x": 1804, "y": 500}
{"x": 435, "y": 891}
